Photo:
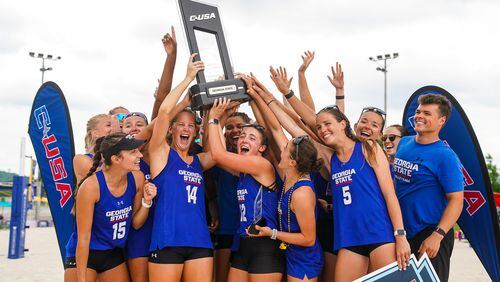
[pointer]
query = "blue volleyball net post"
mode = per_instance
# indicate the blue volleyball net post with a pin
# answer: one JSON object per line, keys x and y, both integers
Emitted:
{"x": 18, "y": 217}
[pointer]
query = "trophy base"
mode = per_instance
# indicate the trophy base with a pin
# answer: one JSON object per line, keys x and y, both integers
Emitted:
{"x": 252, "y": 230}
{"x": 203, "y": 95}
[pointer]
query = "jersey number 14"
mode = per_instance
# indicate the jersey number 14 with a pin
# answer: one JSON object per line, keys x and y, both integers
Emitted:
{"x": 191, "y": 193}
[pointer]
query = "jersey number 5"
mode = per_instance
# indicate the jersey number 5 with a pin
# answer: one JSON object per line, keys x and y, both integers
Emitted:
{"x": 347, "y": 195}
{"x": 191, "y": 193}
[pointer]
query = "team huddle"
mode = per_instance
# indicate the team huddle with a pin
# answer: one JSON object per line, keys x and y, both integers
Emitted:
{"x": 217, "y": 196}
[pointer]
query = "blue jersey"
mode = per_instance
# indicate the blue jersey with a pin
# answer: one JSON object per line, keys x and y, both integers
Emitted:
{"x": 139, "y": 239}
{"x": 323, "y": 190}
{"x": 361, "y": 216}
{"x": 248, "y": 188}
{"x": 179, "y": 218}
{"x": 424, "y": 174}
{"x": 112, "y": 218}
{"x": 300, "y": 261}
{"x": 226, "y": 184}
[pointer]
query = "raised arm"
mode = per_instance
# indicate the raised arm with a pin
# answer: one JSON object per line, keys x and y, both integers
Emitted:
{"x": 170, "y": 45}
{"x": 305, "y": 94}
{"x": 158, "y": 146}
{"x": 260, "y": 168}
{"x": 337, "y": 80}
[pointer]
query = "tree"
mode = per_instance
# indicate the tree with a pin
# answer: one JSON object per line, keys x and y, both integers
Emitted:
{"x": 494, "y": 173}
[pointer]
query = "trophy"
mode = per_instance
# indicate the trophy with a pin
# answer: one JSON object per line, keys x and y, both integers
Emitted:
{"x": 205, "y": 36}
{"x": 257, "y": 214}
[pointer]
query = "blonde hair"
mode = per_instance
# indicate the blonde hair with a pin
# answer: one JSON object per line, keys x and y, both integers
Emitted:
{"x": 91, "y": 125}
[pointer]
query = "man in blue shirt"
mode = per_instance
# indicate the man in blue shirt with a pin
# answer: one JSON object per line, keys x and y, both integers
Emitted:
{"x": 429, "y": 184}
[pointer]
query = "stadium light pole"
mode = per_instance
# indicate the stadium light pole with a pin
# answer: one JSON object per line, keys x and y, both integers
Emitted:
{"x": 44, "y": 57}
{"x": 384, "y": 70}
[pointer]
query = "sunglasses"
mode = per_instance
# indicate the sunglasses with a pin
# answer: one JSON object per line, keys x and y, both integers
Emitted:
{"x": 121, "y": 116}
{"x": 136, "y": 114}
{"x": 375, "y": 110}
{"x": 296, "y": 141}
{"x": 254, "y": 125}
{"x": 391, "y": 137}
{"x": 330, "y": 108}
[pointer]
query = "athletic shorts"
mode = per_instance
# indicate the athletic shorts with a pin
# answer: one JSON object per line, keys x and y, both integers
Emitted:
{"x": 441, "y": 262}
{"x": 178, "y": 255}
{"x": 223, "y": 241}
{"x": 324, "y": 229}
{"x": 365, "y": 250}
{"x": 100, "y": 261}
{"x": 259, "y": 256}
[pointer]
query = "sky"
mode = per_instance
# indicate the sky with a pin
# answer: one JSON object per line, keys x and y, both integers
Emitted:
{"x": 112, "y": 54}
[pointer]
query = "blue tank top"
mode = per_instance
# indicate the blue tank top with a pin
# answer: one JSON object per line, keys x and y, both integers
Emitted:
{"x": 247, "y": 191}
{"x": 139, "y": 239}
{"x": 179, "y": 218}
{"x": 112, "y": 218}
{"x": 226, "y": 185}
{"x": 361, "y": 216}
{"x": 300, "y": 261}
{"x": 323, "y": 191}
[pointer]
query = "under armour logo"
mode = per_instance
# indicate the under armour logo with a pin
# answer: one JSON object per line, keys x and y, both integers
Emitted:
{"x": 154, "y": 255}
{"x": 119, "y": 203}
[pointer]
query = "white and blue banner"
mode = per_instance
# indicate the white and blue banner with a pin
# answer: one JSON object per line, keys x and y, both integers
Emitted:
{"x": 52, "y": 138}
{"x": 479, "y": 219}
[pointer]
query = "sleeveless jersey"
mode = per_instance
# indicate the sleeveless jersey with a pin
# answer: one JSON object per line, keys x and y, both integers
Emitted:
{"x": 323, "y": 191}
{"x": 179, "y": 218}
{"x": 361, "y": 216}
{"x": 111, "y": 220}
{"x": 226, "y": 185}
{"x": 139, "y": 239}
{"x": 300, "y": 261}
{"x": 247, "y": 191}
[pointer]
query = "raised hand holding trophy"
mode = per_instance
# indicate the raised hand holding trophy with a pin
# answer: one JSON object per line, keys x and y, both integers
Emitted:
{"x": 205, "y": 36}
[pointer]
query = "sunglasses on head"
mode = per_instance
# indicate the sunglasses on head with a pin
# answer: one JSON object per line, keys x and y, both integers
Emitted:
{"x": 254, "y": 125}
{"x": 330, "y": 108}
{"x": 296, "y": 141}
{"x": 121, "y": 116}
{"x": 136, "y": 114}
{"x": 391, "y": 137}
{"x": 375, "y": 110}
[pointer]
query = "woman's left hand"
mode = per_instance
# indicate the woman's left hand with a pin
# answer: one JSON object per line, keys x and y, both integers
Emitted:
{"x": 219, "y": 107}
{"x": 263, "y": 232}
{"x": 149, "y": 191}
{"x": 403, "y": 252}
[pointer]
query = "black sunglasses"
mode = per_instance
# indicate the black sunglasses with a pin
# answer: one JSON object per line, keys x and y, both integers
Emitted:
{"x": 296, "y": 141}
{"x": 254, "y": 125}
{"x": 391, "y": 137}
{"x": 375, "y": 110}
{"x": 329, "y": 108}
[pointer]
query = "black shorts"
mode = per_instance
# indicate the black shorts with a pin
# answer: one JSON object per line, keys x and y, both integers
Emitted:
{"x": 223, "y": 241}
{"x": 100, "y": 261}
{"x": 324, "y": 229}
{"x": 365, "y": 250}
{"x": 178, "y": 255}
{"x": 259, "y": 256}
{"x": 441, "y": 262}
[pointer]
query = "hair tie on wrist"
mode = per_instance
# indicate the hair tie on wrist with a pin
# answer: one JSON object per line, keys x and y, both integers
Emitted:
{"x": 270, "y": 102}
{"x": 290, "y": 94}
{"x": 340, "y": 97}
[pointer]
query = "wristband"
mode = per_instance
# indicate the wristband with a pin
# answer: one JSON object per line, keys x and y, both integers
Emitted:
{"x": 290, "y": 94}
{"x": 275, "y": 234}
{"x": 440, "y": 231}
{"x": 400, "y": 232}
{"x": 213, "y": 121}
{"x": 340, "y": 97}
{"x": 144, "y": 204}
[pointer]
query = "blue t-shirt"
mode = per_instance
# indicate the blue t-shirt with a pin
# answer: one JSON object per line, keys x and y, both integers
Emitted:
{"x": 361, "y": 216}
{"x": 111, "y": 220}
{"x": 226, "y": 185}
{"x": 424, "y": 174}
{"x": 179, "y": 217}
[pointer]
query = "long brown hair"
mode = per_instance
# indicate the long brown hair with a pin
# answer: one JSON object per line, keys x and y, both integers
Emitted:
{"x": 367, "y": 145}
{"x": 91, "y": 125}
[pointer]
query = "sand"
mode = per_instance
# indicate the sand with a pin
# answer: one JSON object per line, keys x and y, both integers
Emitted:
{"x": 43, "y": 262}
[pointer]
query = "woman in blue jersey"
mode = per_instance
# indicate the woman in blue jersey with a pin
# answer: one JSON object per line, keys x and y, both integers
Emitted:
{"x": 366, "y": 210}
{"x": 97, "y": 126}
{"x": 255, "y": 259}
{"x": 107, "y": 203}
{"x": 297, "y": 203}
{"x": 180, "y": 243}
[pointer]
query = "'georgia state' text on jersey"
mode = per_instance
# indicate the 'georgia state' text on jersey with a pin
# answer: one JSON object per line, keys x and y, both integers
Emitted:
{"x": 360, "y": 211}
